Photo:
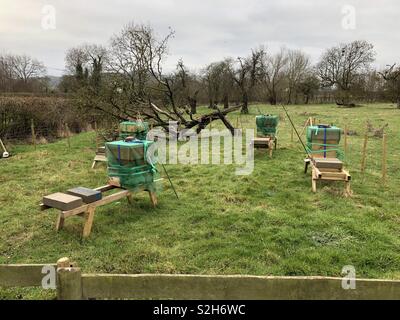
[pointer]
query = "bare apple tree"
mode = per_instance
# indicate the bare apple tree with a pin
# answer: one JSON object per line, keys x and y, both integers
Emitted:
{"x": 138, "y": 86}
{"x": 341, "y": 66}
{"x": 392, "y": 77}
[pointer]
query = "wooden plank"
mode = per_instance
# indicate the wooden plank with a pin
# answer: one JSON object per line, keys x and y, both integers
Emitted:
{"x": 75, "y": 211}
{"x": 105, "y": 188}
{"x": 333, "y": 175}
{"x": 333, "y": 178}
{"x": 104, "y": 201}
{"x": 204, "y": 287}
{"x": 62, "y": 201}
{"x": 22, "y": 275}
{"x": 333, "y": 163}
{"x": 100, "y": 158}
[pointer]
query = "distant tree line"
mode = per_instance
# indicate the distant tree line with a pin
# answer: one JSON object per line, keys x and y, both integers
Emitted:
{"x": 22, "y": 73}
{"x": 126, "y": 78}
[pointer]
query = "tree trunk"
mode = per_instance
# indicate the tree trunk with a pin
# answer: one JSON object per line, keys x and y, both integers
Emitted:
{"x": 272, "y": 100}
{"x": 398, "y": 103}
{"x": 226, "y": 102}
{"x": 307, "y": 99}
{"x": 193, "y": 105}
{"x": 245, "y": 107}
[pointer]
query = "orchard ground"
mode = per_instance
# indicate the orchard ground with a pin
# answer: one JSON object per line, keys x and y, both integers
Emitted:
{"x": 266, "y": 223}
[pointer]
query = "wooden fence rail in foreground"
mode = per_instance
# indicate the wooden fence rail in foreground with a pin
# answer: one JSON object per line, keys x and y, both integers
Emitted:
{"x": 72, "y": 284}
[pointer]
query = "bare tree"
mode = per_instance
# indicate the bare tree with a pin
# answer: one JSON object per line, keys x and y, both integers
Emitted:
{"x": 248, "y": 73}
{"x": 135, "y": 85}
{"x": 21, "y": 73}
{"x": 218, "y": 80}
{"x": 189, "y": 86}
{"x": 340, "y": 66}
{"x": 6, "y": 72}
{"x": 86, "y": 61}
{"x": 308, "y": 86}
{"x": 392, "y": 77}
{"x": 298, "y": 67}
{"x": 274, "y": 75}
{"x": 25, "y": 67}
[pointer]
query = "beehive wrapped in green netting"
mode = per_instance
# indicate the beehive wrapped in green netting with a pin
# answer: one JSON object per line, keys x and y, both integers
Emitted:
{"x": 136, "y": 129}
{"x": 266, "y": 125}
{"x": 323, "y": 141}
{"x": 128, "y": 161}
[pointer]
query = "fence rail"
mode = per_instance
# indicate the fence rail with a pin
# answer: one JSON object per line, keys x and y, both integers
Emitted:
{"x": 72, "y": 284}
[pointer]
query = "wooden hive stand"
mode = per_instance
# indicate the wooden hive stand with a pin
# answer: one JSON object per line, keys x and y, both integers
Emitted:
{"x": 328, "y": 169}
{"x": 87, "y": 211}
{"x": 268, "y": 143}
{"x": 100, "y": 156}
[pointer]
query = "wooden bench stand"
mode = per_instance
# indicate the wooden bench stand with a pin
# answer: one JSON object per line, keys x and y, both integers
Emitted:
{"x": 328, "y": 174}
{"x": 268, "y": 143}
{"x": 100, "y": 156}
{"x": 87, "y": 211}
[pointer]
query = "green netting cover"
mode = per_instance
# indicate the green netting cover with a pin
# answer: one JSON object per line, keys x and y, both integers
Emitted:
{"x": 136, "y": 129}
{"x": 324, "y": 140}
{"x": 128, "y": 162}
{"x": 322, "y": 132}
{"x": 266, "y": 125}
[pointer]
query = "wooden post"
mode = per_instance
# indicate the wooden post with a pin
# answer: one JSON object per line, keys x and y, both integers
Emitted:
{"x": 345, "y": 139}
{"x": 69, "y": 281}
{"x": 364, "y": 151}
{"x": 67, "y": 133}
{"x": 33, "y": 133}
{"x": 237, "y": 122}
{"x": 97, "y": 135}
{"x": 384, "y": 158}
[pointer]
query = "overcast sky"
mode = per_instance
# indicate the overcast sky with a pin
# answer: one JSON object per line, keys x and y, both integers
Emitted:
{"x": 206, "y": 30}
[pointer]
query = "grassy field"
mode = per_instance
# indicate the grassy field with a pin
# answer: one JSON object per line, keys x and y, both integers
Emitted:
{"x": 267, "y": 223}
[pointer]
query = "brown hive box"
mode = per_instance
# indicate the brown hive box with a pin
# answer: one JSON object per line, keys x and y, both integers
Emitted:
{"x": 328, "y": 153}
{"x": 330, "y": 163}
{"x": 127, "y": 154}
{"x": 62, "y": 201}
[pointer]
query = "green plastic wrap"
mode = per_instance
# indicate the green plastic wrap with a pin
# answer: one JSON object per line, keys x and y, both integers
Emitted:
{"x": 135, "y": 129}
{"x": 128, "y": 162}
{"x": 324, "y": 141}
{"x": 266, "y": 125}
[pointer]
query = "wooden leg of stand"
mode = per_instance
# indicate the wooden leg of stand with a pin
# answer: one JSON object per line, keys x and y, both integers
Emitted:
{"x": 89, "y": 221}
{"x": 348, "y": 189}
{"x": 130, "y": 200}
{"x": 153, "y": 198}
{"x": 306, "y": 163}
{"x": 270, "y": 146}
{"x": 313, "y": 182}
{"x": 60, "y": 222}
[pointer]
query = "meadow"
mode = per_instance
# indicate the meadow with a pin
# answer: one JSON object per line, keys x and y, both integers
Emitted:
{"x": 266, "y": 223}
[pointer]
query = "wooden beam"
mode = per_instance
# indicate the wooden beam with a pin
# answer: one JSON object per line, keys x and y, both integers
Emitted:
{"x": 22, "y": 275}
{"x": 209, "y": 287}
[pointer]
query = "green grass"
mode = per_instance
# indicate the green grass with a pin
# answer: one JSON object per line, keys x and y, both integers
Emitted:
{"x": 267, "y": 223}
